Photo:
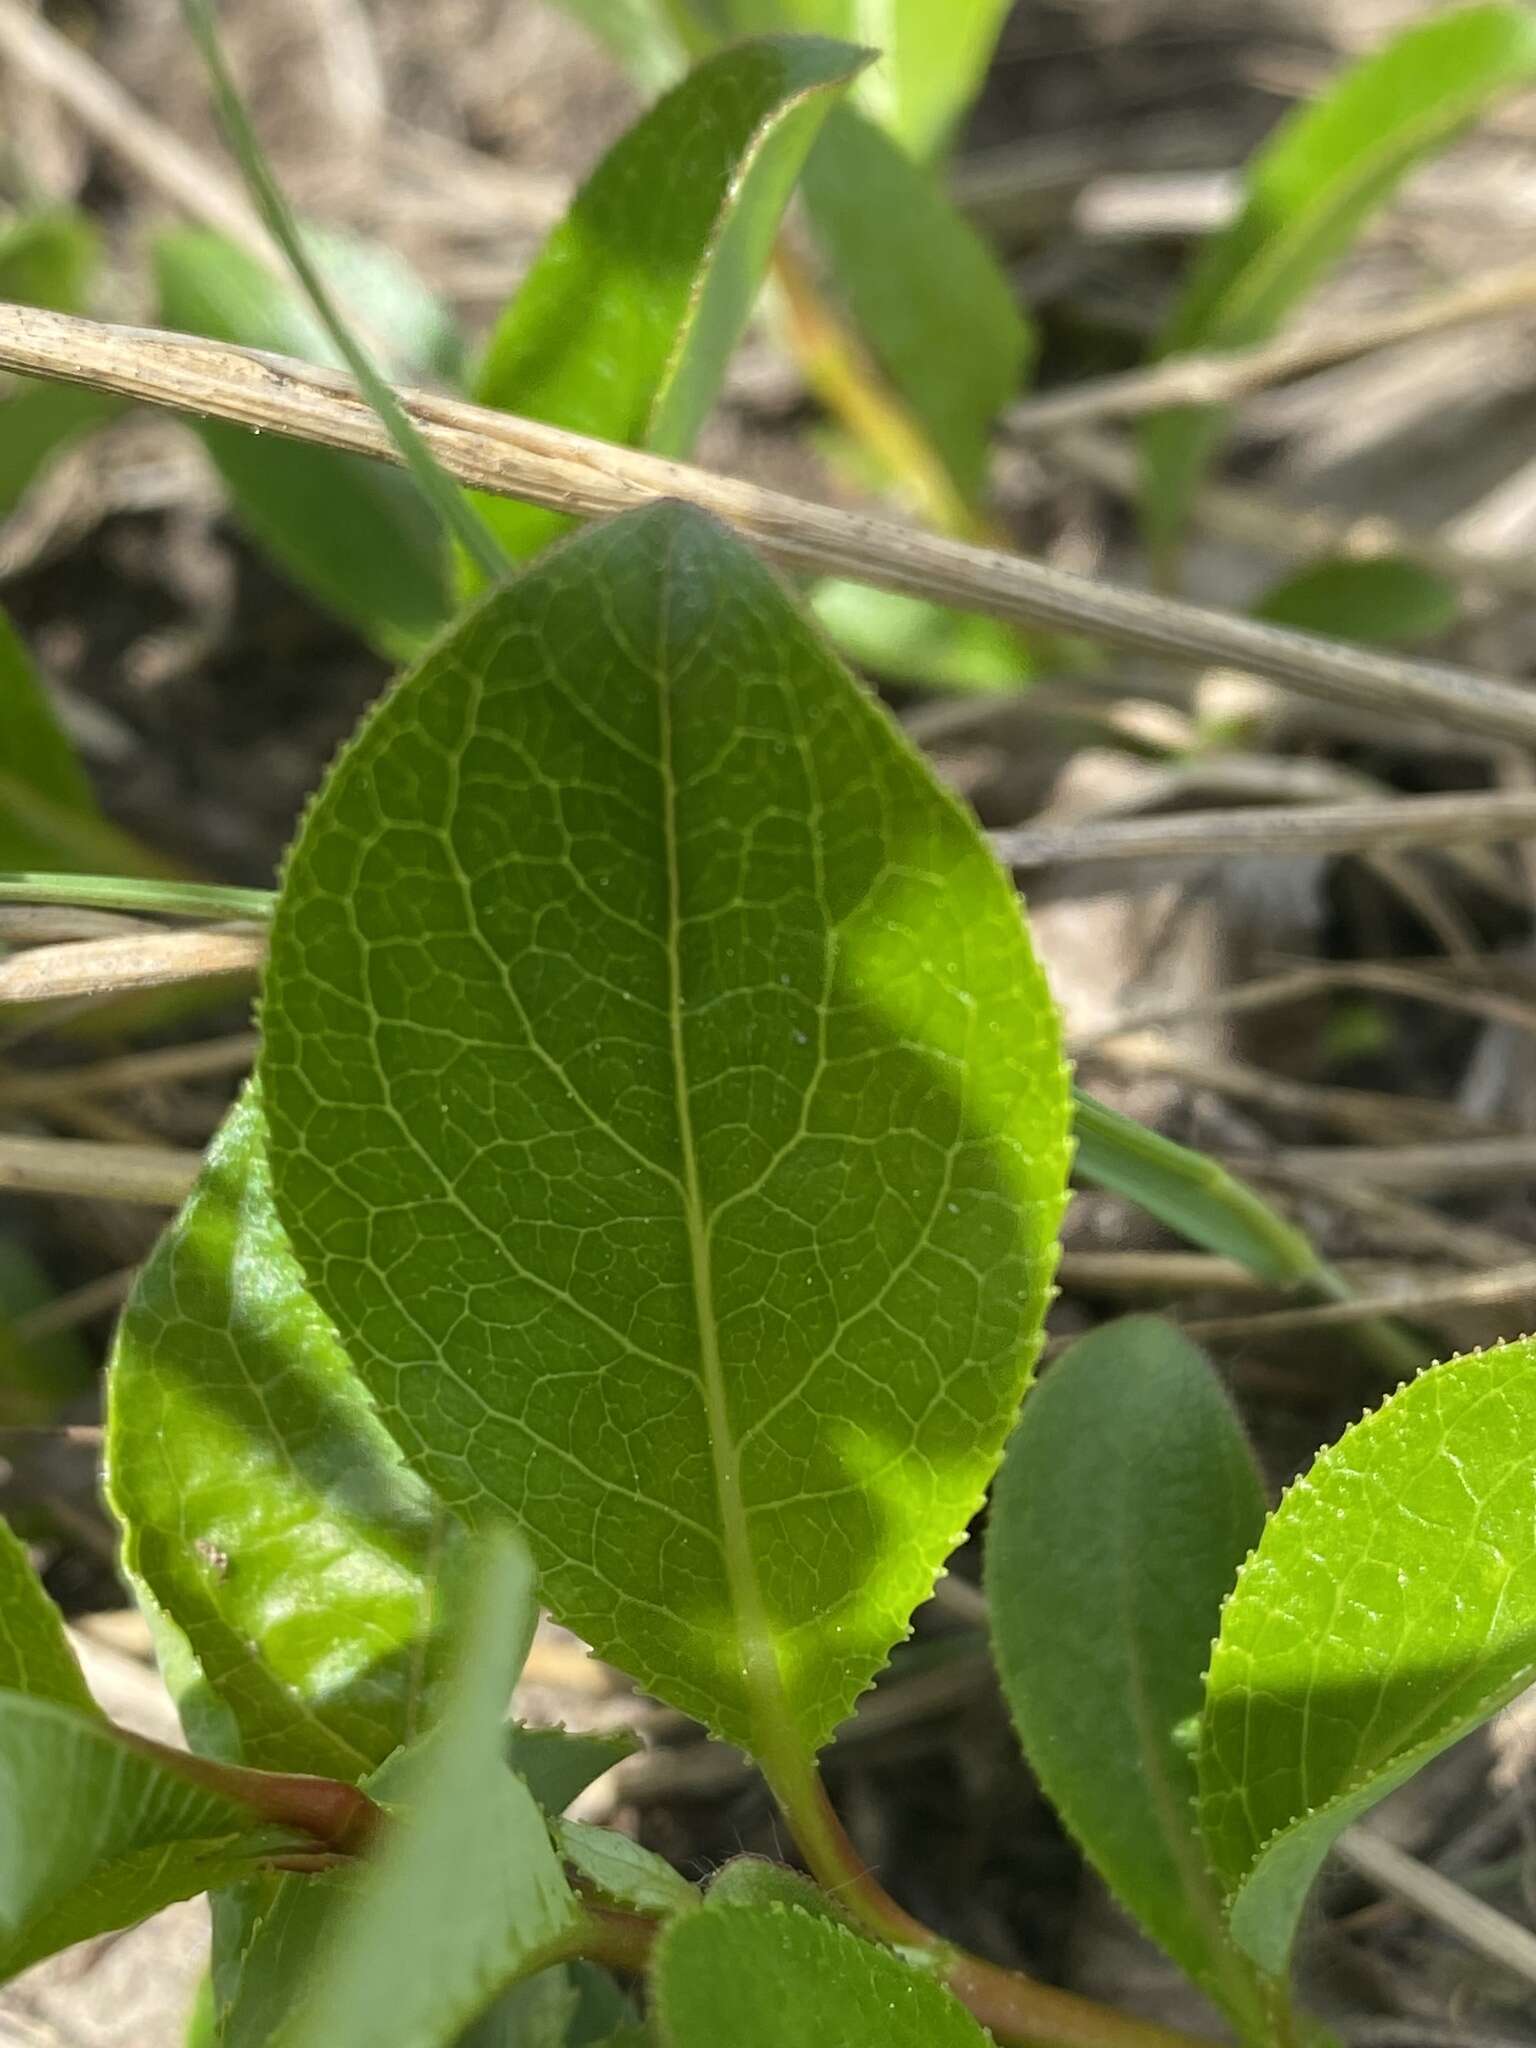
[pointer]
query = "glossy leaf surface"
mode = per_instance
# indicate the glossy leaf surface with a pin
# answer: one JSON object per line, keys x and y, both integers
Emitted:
{"x": 35, "y": 1656}
{"x": 1309, "y": 191}
{"x": 668, "y": 1110}
{"x": 623, "y": 1871}
{"x": 356, "y": 533}
{"x": 1389, "y": 1608}
{"x": 775, "y": 1977}
{"x": 1125, "y": 1506}
{"x": 94, "y": 1836}
{"x": 465, "y": 1891}
{"x": 623, "y": 326}
{"x": 264, "y": 1507}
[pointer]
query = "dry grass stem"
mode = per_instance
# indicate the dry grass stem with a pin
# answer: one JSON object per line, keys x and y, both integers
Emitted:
{"x": 114, "y": 117}
{"x": 1469, "y": 1163}
{"x": 156, "y": 1175}
{"x": 166, "y": 1064}
{"x": 574, "y": 474}
{"x": 1475, "y": 1290}
{"x": 1471, "y": 1920}
{"x": 1479, "y": 817}
{"x": 1300, "y": 984}
{"x": 66, "y": 1311}
{"x": 116, "y": 966}
{"x": 1216, "y": 377}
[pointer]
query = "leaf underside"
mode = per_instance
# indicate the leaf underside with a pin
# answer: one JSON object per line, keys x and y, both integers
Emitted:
{"x": 264, "y": 1507}
{"x": 669, "y": 1113}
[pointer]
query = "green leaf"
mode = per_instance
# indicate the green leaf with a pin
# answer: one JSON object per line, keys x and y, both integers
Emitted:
{"x": 464, "y": 1893}
{"x": 557, "y": 1765}
{"x": 932, "y": 57}
{"x": 775, "y": 1977}
{"x": 1310, "y": 189}
{"x": 624, "y": 324}
{"x": 1189, "y": 1192}
{"x": 623, "y": 1871}
{"x": 263, "y": 1505}
{"x": 924, "y": 291}
{"x": 909, "y": 640}
{"x": 1390, "y": 1607}
{"x": 1385, "y": 600}
{"x": 48, "y": 259}
{"x": 628, "y": 963}
{"x": 40, "y": 764}
{"x": 96, "y": 1836}
{"x": 35, "y": 1656}
{"x": 1125, "y": 1506}
{"x": 354, "y": 532}
{"x": 755, "y": 1881}
{"x": 48, "y": 815}
{"x": 933, "y": 63}
{"x": 639, "y": 34}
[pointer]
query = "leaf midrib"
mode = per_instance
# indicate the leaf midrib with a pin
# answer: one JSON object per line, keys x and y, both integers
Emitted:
{"x": 760, "y": 1667}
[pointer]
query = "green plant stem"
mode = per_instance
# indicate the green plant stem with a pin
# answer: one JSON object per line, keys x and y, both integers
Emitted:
{"x": 1011, "y": 2006}
{"x": 1272, "y": 1248}
{"x": 618, "y": 1940}
{"x": 339, "y": 1818}
{"x": 131, "y": 892}
{"x": 459, "y": 518}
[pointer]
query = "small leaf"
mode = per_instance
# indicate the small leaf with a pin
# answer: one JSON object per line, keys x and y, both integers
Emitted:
{"x": 35, "y": 1656}
{"x": 932, "y": 57}
{"x": 557, "y": 1765}
{"x": 465, "y": 1892}
{"x": 909, "y": 640}
{"x": 48, "y": 814}
{"x": 1385, "y": 599}
{"x": 628, "y": 963}
{"x": 1309, "y": 191}
{"x": 925, "y": 292}
{"x": 624, "y": 324}
{"x": 95, "y": 1836}
{"x": 775, "y": 1977}
{"x": 263, "y": 1506}
{"x": 1189, "y": 1192}
{"x": 755, "y": 1881}
{"x": 1124, "y": 1508}
{"x": 354, "y": 532}
{"x": 48, "y": 259}
{"x": 623, "y": 1871}
{"x": 1390, "y": 1607}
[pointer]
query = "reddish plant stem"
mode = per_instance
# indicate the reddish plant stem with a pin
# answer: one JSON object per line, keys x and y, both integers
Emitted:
{"x": 340, "y": 1818}
{"x": 1010, "y": 2005}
